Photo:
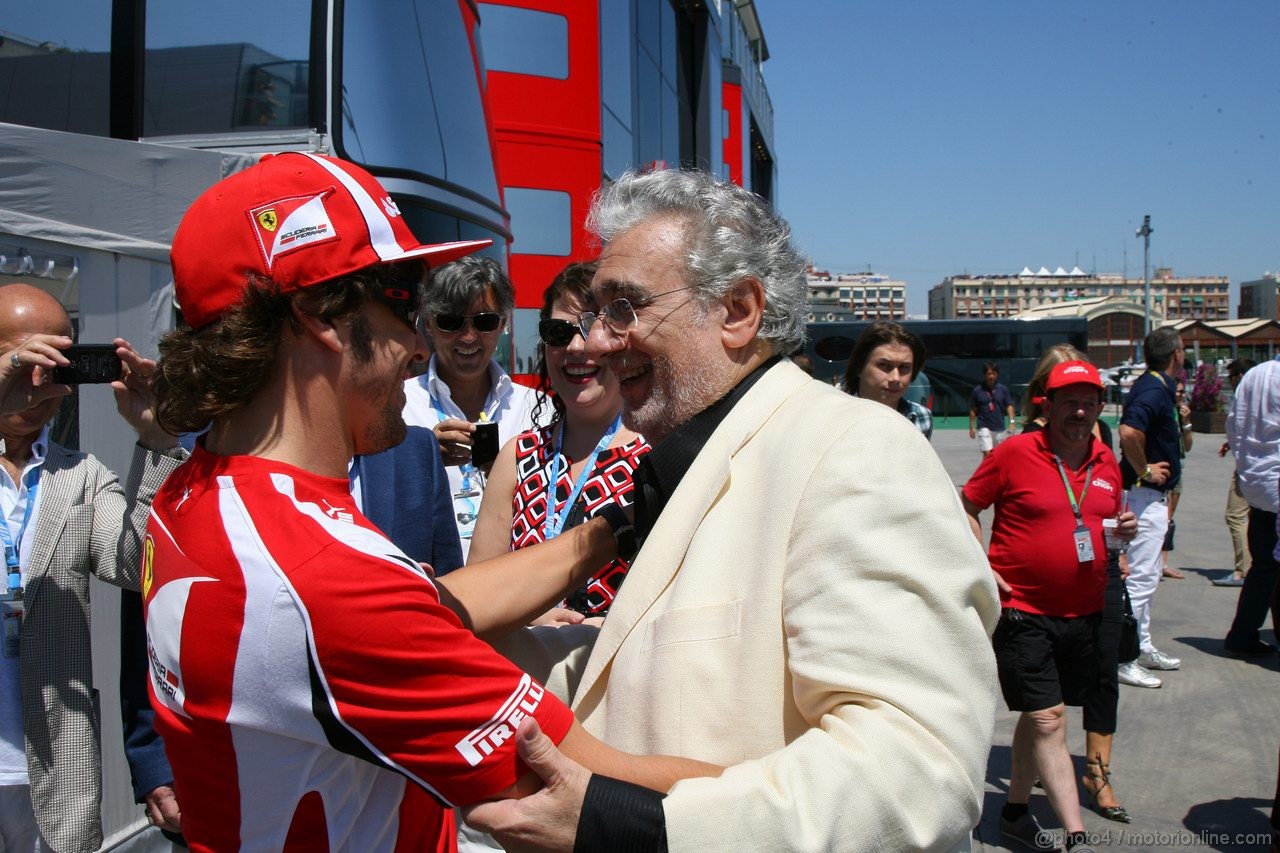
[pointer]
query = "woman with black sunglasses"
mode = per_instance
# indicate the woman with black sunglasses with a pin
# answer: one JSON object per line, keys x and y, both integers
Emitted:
{"x": 585, "y": 457}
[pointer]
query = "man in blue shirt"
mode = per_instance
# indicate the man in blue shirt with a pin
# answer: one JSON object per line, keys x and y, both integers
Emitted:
{"x": 1151, "y": 467}
{"x": 989, "y": 404}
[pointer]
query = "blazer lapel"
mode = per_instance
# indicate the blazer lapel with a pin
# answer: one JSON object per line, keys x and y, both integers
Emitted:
{"x": 59, "y": 485}
{"x": 663, "y": 553}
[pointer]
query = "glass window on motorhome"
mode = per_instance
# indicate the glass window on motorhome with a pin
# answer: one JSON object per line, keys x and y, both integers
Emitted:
{"x": 236, "y": 67}
{"x": 541, "y": 221}
{"x": 54, "y": 60}
{"x": 411, "y": 100}
{"x": 649, "y": 113}
{"x": 617, "y": 56}
{"x": 525, "y": 41}
{"x": 619, "y": 145}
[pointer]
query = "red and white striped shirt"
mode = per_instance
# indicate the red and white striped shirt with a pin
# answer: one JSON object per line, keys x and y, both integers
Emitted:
{"x": 312, "y": 691}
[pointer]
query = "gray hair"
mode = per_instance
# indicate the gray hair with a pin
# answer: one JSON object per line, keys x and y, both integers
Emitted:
{"x": 1160, "y": 345}
{"x": 454, "y": 285}
{"x": 731, "y": 235}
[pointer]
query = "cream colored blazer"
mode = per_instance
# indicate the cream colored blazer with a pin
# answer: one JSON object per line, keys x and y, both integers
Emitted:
{"x": 87, "y": 524}
{"x": 813, "y": 612}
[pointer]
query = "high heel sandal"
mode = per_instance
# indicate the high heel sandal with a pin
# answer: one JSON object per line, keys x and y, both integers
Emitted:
{"x": 1102, "y": 777}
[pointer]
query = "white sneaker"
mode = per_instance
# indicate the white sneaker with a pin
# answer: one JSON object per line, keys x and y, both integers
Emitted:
{"x": 1156, "y": 659}
{"x": 1135, "y": 676}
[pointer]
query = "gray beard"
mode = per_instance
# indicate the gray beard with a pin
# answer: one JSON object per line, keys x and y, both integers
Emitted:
{"x": 677, "y": 395}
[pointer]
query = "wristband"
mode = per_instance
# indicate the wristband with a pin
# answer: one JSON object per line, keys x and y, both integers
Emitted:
{"x": 624, "y": 531}
{"x": 1146, "y": 474}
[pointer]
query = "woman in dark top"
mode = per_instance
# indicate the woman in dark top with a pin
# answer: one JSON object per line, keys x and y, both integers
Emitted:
{"x": 1101, "y": 706}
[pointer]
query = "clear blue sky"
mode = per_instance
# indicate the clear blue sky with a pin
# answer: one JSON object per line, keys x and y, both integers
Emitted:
{"x": 929, "y": 138}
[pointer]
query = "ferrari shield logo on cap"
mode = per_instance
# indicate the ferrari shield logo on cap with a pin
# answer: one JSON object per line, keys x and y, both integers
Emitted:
{"x": 292, "y": 223}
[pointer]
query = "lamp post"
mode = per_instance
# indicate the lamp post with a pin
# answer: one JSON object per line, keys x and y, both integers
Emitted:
{"x": 1145, "y": 233}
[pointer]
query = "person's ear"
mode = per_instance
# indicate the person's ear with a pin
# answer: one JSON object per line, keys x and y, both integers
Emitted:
{"x": 319, "y": 328}
{"x": 744, "y": 312}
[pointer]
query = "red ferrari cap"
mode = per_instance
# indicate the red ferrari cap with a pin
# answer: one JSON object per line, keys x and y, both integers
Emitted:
{"x": 297, "y": 219}
{"x": 1073, "y": 373}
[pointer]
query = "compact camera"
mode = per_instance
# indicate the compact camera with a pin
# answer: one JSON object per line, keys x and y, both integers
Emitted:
{"x": 484, "y": 444}
{"x": 91, "y": 364}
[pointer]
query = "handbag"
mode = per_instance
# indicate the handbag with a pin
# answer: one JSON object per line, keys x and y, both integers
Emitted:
{"x": 1129, "y": 649}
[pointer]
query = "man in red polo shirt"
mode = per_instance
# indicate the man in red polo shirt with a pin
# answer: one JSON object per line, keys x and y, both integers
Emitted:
{"x": 1051, "y": 490}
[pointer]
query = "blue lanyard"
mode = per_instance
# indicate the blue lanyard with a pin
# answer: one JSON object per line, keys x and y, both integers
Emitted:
{"x": 10, "y": 547}
{"x": 555, "y": 519}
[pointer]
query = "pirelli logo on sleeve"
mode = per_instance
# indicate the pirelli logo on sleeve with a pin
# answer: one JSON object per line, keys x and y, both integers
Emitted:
{"x": 501, "y": 727}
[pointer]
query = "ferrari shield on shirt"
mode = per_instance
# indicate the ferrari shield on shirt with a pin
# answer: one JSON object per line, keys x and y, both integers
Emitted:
{"x": 312, "y": 691}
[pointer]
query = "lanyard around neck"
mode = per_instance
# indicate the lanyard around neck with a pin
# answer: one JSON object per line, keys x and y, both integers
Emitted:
{"x": 555, "y": 519}
{"x": 1071, "y": 495}
{"x": 1177, "y": 417}
{"x": 492, "y": 401}
{"x": 11, "y": 562}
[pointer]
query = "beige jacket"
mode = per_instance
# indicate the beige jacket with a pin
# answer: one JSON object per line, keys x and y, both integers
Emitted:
{"x": 87, "y": 524}
{"x": 812, "y": 611}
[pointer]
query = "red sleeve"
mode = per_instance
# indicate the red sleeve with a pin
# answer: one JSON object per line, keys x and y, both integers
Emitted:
{"x": 988, "y": 482}
{"x": 404, "y": 684}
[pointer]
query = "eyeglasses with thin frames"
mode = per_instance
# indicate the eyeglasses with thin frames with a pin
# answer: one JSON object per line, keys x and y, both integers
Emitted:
{"x": 619, "y": 316}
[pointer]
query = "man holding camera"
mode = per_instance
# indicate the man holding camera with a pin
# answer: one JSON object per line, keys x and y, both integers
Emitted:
{"x": 465, "y": 396}
{"x": 64, "y": 516}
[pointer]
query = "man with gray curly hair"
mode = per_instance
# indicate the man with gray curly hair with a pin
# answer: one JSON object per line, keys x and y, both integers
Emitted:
{"x": 807, "y": 607}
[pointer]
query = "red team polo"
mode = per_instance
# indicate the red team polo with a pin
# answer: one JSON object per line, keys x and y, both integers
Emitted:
{"x": 312, "y": 691}
{"x": 1031, "y": 538}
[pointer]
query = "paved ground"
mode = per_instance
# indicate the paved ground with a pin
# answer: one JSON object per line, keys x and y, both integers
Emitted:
{"x": 1194, "y": 761}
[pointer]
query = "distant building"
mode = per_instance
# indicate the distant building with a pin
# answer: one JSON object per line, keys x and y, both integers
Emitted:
{"x": 855, "y": 296}
{"x": 1116, "y": 332}
{"x": 1260, "y": 298}
{"x": 1172, "y": 298}
{"x": 1115, "y": 325}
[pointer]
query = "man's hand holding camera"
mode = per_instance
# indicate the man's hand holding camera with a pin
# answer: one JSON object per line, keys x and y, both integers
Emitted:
{"x": 26, "y": 371}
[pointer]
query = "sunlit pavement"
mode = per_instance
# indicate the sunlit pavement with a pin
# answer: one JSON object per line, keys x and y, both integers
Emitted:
{"x": 1195, "y": 760}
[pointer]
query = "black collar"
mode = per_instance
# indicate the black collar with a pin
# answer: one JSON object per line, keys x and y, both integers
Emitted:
{"x": 660, "y": 472}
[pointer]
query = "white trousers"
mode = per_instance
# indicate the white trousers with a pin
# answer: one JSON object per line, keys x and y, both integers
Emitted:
{"x": 1151, "y": 506}
{"x": 18, "y": 830}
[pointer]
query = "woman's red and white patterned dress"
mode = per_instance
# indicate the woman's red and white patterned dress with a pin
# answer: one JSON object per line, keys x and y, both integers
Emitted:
{"x": 609, "y": 482}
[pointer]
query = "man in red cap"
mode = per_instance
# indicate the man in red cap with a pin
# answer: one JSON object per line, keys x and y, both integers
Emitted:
{"x": 314, "y": 686}
{"x": 1052, "y": 491}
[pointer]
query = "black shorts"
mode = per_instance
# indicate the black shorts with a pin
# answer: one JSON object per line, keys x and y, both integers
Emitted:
{"x": 1045, "y": 661}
